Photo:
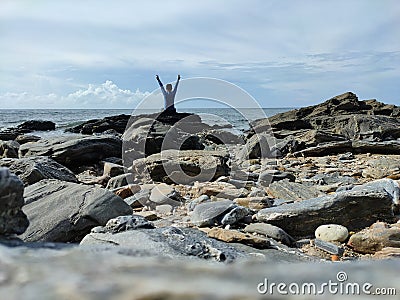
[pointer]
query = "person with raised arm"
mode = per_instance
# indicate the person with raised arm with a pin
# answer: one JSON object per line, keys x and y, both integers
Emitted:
{"x": 169, "y": 94}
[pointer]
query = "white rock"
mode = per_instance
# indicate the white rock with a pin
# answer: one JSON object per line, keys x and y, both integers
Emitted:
{"x": 332, "y": 233}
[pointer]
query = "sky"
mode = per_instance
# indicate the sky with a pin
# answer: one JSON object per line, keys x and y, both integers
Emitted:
{"x": 105, "y": 54}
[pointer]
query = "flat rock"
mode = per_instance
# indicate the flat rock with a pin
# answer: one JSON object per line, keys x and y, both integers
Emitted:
{"x": 285, "y": 189}
{"x": 167, "y": 242}
{"x": 255, "y": 203}
{"x": 34, "y": 169}
{"x": 269, "y": 176}
{"x": 258, "y": 146}
{"x": 206, "y": 214}
{"x": 64, "y": 212}
{"x": 234, "y": 236}
{"x": 375, "y": 238}
{"x": 332, "y": 233}
{"x": 60, "y": 274}
{"x": 12, "y": 218}
{"x": 270, "y": 231}
{"x": 74, "y": 150}
{"x": 353, "y": 209}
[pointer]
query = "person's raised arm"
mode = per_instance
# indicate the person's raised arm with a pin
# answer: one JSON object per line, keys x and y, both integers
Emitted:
{"x": 161, "y": 84}
{"x": 176, "y": 84}
{"x": 159, "y": 81}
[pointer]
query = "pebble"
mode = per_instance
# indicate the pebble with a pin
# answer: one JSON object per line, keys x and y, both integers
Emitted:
{"x": 332, "y": 233}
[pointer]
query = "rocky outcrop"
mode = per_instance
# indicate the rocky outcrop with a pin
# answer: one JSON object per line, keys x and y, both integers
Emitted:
{"x": 353, "y": 209}
{"x": 65, "y": 212}
{"x": 344, "y": 122}
{"x": 74, "y": 150}
{"x": 33, "y": 169}
{"x": 12, "y": 219}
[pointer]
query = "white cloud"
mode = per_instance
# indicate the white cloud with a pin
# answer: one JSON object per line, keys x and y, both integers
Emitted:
{"x": 105, "y": 95}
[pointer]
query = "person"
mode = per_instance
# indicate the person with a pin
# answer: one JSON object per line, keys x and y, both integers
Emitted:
{"x": 169, "y": 95}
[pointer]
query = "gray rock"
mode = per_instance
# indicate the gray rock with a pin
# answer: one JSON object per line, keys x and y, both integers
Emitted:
{"x": 9, "y": 149}
{"x": 64, "y": 212}
{"x": 112, "y": 169}
{"x": 74, "y": 150}
{"x": 171, "y": 242}
{"x": 165, "y": 209}
{"x": 182, "y": 167}
{"x": 388, "y": 185}
{"x": 192, "y": 204}
{"x": 165, "y": 194}
{"x": 258, "y": 146}
{"x": 26, "y": 138}
{"x": 34, "y": 169}
{"x": 206, "y": 214}
{"x": 346, "y": 156}
{"x": 269, "y": 176}
{"x": 120, "y": 181}
{"x": 12, "y": 219}
{"x": 270, "y": 231}
{"x": 353, "y": 209}
{"x": 235, "y": 215}
{"x": 332, "y": 178}
{"x": 131, "y": 222}
{"x": 285, "y": 189}
{"x": 126, "y": 274}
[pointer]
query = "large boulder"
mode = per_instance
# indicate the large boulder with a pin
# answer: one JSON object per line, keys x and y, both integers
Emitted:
{"x": 12, "y": 219}
{"x": 33, "y": 169}
{"x": 65, "y": 212}
{"x": 9, "y": 149}
{"x": 186, "y": 166}
{"x": 36, "y": 125}
{"x": 353, "y": 209}
{"x": 74, "y": 150}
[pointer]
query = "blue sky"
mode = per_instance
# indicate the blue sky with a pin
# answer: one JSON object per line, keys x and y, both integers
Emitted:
{"x": 103, "y": 54}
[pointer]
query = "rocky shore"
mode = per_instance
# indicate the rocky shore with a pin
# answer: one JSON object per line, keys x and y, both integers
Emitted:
{"x": 167, "y": 207}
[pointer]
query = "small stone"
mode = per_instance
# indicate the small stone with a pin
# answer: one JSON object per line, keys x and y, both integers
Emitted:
{"x": 233, "y": 236}
{"x": 127, "y": 191}
{"x": 206, "y": 214}
{"x": 148, "y": 215}
{"x": 270, "y": 231}
{"x": 165, "y": 209}
{"x": 332, "y": 233}
{"x": 131, "y": 222}
{"x": 192, "y": 204}
{"x": 235, "y": 215}
{"x": 346, "y": 156}
{"x": 112, "y": 170}
{"x": 269, "y": 176}
{"x": 254, "y": 202}
{"x": 165, "y": 194}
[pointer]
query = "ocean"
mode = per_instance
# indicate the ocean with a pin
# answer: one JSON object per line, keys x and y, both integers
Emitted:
{"x": 66, "y": 118}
